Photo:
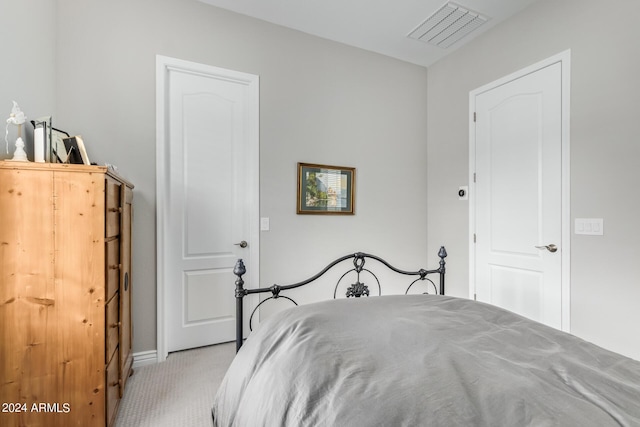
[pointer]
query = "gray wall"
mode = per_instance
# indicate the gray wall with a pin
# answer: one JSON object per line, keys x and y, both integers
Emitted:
{"x": 605, "y": 151}
{"x": 320, "y": 102}
{"x": 27, "y": 74}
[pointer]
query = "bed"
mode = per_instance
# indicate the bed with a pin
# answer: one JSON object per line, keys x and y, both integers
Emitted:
{"x": 421, "y": 360}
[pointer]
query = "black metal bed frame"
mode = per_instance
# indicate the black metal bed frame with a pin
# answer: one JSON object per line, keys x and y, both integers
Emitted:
{"x": 356, "y": 289}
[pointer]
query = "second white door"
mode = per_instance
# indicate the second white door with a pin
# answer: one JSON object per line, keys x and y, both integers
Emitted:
{"x": 518, "y": 195}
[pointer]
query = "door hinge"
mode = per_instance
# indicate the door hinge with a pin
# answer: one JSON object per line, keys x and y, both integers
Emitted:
{"x": 475, "y": 297}
{"x": 474, "y": 116}
{"x": 474, "y": 177}
{"x": 474, "y": 237}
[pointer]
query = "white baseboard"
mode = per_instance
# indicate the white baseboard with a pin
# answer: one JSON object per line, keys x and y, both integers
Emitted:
{"x": 144, "y": 358}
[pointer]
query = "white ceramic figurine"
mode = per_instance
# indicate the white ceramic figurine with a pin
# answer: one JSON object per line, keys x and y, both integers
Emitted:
{"x": 17, "y": 118}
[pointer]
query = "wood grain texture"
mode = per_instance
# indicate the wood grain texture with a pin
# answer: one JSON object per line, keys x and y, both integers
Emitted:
{"x": 53, "y": 295}
{"x": 126, "y": 281}
{"x": 79, "y": 271}
{"x": 29, "y": 309}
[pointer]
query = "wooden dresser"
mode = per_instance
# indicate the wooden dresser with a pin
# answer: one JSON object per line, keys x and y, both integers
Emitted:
{"x": 65, "y": 294}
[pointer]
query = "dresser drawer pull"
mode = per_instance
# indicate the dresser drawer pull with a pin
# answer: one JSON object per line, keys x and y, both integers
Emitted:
{"x": 115, "y": 325}
{"x": 115, "y": 383}
{"x": 115, "y": 266}
{"x": 115, "y": 210}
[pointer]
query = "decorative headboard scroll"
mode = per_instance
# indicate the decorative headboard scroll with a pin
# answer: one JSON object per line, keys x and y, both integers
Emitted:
{"x": 356, "y": 289}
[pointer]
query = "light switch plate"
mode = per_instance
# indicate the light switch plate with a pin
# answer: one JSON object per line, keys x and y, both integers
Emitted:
{"x": 264, "y": 224}
{"x": 589, "y": 226}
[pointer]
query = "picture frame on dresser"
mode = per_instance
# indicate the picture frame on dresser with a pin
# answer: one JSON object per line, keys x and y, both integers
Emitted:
{"x": 59, "y": 151}
{"x": 76, "y": 150}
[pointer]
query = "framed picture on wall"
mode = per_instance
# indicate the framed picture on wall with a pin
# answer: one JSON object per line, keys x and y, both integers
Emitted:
{"x": 325, "y": 190}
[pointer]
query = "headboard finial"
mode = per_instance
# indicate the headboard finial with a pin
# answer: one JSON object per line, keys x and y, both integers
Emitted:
{"x": 443, "y": 252}
{"x": 239, "y": 269}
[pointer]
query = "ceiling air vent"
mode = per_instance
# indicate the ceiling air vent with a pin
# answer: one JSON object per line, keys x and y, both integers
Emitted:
{"x": 448, "y": 25}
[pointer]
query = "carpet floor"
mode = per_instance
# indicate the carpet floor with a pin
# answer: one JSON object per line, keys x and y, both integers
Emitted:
{"x": 178, "y": 392}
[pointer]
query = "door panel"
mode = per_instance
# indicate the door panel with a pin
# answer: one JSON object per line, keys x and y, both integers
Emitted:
{"x": 207, "y": 296}
{"x": 518, "y": 205}
{"x": 517, "y": 290}
{"x": 207, "y": 162}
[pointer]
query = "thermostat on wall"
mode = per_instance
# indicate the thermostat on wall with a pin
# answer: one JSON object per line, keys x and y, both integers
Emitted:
{"x": 463, "y": 193}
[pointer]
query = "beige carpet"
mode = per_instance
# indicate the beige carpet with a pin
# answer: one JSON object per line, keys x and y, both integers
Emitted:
{"x": 178, "y": 392}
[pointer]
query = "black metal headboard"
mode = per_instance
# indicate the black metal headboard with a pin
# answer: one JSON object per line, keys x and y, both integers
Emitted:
{"x": 356, "y": 289}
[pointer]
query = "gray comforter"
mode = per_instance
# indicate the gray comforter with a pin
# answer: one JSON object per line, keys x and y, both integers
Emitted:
{"x": 422, "y": 360}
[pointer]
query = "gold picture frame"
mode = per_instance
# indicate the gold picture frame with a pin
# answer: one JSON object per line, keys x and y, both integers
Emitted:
{"x": 325, "y": 190}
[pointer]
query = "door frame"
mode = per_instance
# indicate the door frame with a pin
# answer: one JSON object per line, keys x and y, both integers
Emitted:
{"x": 564, "y": 58}
{"x": 164, "y": 65}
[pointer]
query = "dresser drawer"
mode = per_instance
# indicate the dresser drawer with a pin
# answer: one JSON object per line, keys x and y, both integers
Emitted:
{"x": 112, "y": 206}
{"x": 112, "y": 267}
{"x": 112, "y": 390}
{"x": 113, "y": 326}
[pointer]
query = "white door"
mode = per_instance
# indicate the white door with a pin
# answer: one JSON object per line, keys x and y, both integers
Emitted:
{"x": 209, "y": 213}
{"x": 519, "y": 245}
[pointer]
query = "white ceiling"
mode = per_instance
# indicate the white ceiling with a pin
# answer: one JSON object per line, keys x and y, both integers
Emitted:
{"x": 380, "y": 26}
